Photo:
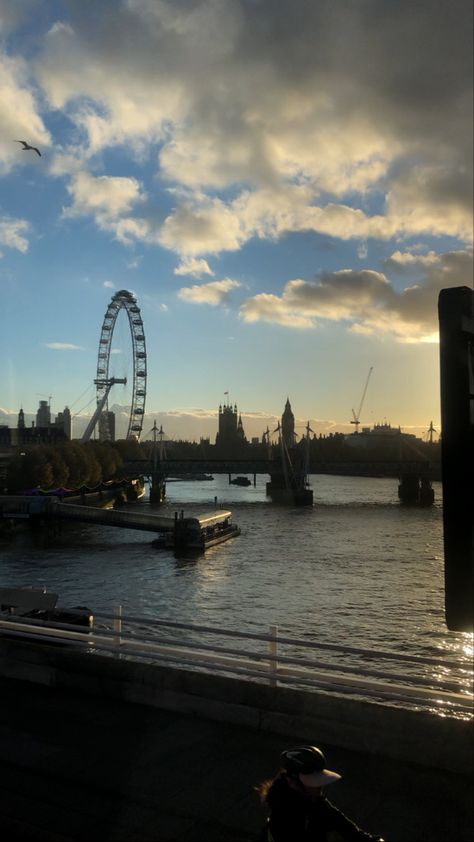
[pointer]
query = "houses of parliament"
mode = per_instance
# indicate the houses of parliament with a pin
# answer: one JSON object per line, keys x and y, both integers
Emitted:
{"x": 231, "y": 439}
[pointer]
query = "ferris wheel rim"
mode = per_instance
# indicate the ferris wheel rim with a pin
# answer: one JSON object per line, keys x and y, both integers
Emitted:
{"x": 124, "y": 300}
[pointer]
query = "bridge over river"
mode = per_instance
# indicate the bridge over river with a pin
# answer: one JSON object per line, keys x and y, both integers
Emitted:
{"x": 414, "y": 476}
{"x": 376, "y": 468}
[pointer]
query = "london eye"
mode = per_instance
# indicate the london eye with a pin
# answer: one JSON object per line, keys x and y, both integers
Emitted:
{"x": 122, "y": 302}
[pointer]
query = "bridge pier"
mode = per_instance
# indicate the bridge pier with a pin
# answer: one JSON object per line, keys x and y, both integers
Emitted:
{"x": 426, "y": 492}
{"x": 157, "y": 487}
{"x": 415, "y": 490}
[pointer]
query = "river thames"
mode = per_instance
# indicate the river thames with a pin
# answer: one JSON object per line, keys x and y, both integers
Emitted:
{"x": 356, "y": 569}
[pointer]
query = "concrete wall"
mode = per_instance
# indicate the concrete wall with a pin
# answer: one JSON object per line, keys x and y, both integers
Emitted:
{"x": 430, "y": 740}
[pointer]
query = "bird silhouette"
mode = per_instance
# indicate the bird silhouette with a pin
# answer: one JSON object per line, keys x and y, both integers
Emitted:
{"x": 27, "y": 146}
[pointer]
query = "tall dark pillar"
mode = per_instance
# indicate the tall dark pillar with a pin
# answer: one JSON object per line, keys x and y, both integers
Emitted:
{"x": 456, "y": 330}
{"x": 157, "y": 487}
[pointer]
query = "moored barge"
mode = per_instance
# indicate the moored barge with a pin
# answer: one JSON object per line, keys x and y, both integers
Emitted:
{"x": 200, "y": 532}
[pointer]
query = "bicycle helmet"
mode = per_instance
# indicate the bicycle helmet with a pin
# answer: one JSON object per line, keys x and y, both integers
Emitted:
{"x": 307, "y": 764}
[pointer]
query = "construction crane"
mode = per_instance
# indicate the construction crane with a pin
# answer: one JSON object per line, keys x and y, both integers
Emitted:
{"x": 356, "y": 420}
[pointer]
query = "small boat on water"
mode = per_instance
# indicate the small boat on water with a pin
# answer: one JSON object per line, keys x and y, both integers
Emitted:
{"x": 195, "y": 477}
{"x": 240, "y": 481}
{"x": 200, "y": 532}
{"x": 40, "y": 604}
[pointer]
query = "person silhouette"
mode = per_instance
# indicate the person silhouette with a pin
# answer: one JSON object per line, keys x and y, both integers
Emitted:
{"x": 298, "y": 808}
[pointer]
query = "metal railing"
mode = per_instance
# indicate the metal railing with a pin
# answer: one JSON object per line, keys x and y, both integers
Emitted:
{"x": 394, "y": 678}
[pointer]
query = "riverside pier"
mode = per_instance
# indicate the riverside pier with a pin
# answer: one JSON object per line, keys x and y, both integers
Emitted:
{"x": 176, "y": 529}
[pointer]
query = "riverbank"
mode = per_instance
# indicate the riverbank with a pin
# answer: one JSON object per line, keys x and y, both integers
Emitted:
{"x": 25, "y": 510}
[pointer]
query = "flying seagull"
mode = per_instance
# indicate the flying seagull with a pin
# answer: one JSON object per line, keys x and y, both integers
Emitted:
{"x": 27, "y": 146}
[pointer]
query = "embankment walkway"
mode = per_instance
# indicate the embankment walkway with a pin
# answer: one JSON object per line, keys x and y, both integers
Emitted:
{"x": 83, "y": 758}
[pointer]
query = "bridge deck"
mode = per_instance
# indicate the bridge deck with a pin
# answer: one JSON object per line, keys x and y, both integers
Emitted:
{"x": 176, "y": 467}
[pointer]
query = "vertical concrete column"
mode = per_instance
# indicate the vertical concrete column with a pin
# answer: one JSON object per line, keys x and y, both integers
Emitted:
{"x": 456, "y": 335}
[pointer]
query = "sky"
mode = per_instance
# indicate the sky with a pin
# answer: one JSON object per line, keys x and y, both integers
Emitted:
{"x": 284, "y": 185}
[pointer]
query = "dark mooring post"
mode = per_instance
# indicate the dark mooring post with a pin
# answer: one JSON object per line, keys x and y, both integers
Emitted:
{"x": 456, "y": 334}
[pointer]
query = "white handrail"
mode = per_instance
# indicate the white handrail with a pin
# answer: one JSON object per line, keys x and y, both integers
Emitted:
{"x": 308, "y": 644}
{"x": 273, "y": 667}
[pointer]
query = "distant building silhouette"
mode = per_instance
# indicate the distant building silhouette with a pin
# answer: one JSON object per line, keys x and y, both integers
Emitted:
{"x": 5, "y": 436}
{"x": 380, "y": 435}
{"x": 231, "y": 434}
{"x": 43, "y": 431}
{"x": 107, "y": 426}
{"x": 43, "y": 415}
{"x": 288, "y": 425}
{"x": 38, "y": 435}
{"x": 63, "y": 421}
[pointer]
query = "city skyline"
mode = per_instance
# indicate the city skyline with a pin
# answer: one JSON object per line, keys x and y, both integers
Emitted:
{"x": 285, "y": 187}
{"x": 192, "y": 426}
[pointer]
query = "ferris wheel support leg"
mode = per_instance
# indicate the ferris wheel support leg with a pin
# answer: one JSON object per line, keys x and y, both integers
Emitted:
{"x": 90, "y": 427}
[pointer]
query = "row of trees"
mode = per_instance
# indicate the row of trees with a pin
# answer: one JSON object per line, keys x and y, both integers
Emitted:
{"x": 69, "y": 465}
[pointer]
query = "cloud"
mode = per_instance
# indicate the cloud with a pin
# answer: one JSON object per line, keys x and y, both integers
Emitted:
{"x": 19, "y": 113}
{"x": 110, "y": 200}
{"x": 63, "y": 346}
{"x": 435, "y": 198}
{"x": 406, "y": 262}
{"x": 202, "y": 227}
{"x": 12, "y": 233}
{"x": 366, "y": 301}
{"x": 106, "y": 197}
{"x": 194, "y": 267}
{"x": 135, "y": 263}
{"x": 13, "y": 13}
{"x": 342, "y": 99}
{"x": 214, "y": 293}
{"x": 109, "y": 284}
{"x": 263, "y": 118}
{"x": 270, "y": 308}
